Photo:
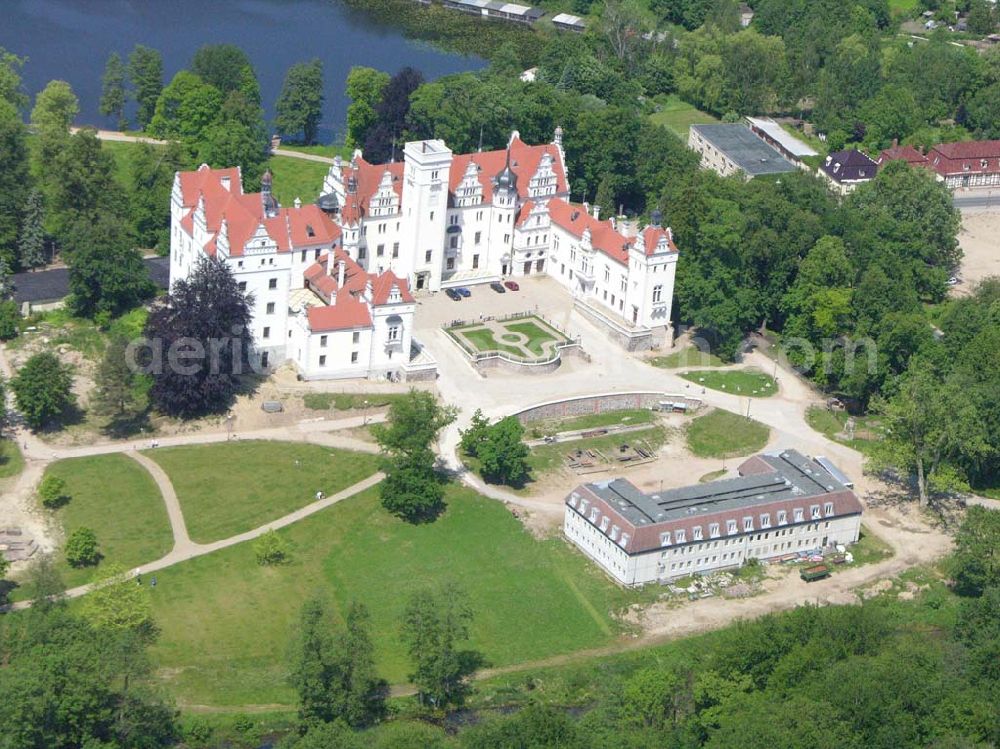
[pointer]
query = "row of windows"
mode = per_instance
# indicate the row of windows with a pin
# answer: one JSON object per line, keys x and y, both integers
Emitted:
{"x": 714, "y": 531}
{"x": 354, "y": 358}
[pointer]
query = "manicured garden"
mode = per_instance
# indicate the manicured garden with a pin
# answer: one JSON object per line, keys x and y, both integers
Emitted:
{"x": 232, "y": 487}
{"x": 118, "y": 499}
{"x": 226, "y": 622}
{"x": 524, "y": 337}
{"x": 750, "y": 382}
{"x": 722, "y": 434}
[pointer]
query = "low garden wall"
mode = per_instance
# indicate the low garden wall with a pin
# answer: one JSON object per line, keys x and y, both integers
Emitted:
{"x": 592, "y": 404}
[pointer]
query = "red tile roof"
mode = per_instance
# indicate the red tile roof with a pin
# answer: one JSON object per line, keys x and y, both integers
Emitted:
{"x": 368, "y": 177}
{"x": 965, "y": 157}
{"x": 344, "y": 315}
{"x": 290, "y": 229}
{"x": 909, "y": 154}
{"x": 603, "y": 236}
{"x": 652, "y": 235}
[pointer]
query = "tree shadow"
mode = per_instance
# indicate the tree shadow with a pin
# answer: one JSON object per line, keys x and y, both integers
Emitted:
{"x": 128, "y": 425}
{"x": 6, "y": 588}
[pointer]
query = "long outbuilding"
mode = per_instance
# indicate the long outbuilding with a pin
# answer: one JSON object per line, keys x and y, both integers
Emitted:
{"x": 780, "y": 503}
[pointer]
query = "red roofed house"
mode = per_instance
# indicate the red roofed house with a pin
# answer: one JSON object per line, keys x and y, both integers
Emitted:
{"x": 779, "y": 504}
{"x": 972, "y": 163}
{"x": 313, "y": 304}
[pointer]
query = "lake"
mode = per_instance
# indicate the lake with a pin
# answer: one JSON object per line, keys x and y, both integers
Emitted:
{"x": 71, "y": 40}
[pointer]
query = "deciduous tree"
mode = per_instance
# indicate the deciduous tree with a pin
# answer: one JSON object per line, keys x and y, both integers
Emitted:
{"x": 145, "y": 70}
{"x": 300, "y": 105}
{"x": 113, "y": 90}
{"x": 43, "y": 390}
{"x": 52, "y": 491}
{"x": 81, "y": 548}
{"x": 56, "y": 106}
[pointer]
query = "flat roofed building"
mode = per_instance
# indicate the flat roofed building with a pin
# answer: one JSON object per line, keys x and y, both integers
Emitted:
{"x": 784, "y": 142}
{"x": 780, "y": 503}
{"x": 568, "y": 22}
{"x": 493, "y": 9}
{"x": 734, "y": 149}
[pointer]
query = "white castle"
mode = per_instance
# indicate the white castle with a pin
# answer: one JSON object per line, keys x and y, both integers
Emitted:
{"x": 332, "y": 281}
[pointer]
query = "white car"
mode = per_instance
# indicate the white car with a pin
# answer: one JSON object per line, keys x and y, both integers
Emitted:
{"x": 954, "y": 281}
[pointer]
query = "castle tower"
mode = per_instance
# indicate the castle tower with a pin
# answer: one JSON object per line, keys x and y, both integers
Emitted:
{"x": 425, "y": 211}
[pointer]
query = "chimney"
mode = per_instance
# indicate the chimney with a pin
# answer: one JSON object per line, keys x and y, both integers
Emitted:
{"x": 586, "y": 207}
{"x": 298, "y": 202}
{"x": 341, "y": 270}
{"x": 895, "y": 142}
{"x": 597, "y": 213}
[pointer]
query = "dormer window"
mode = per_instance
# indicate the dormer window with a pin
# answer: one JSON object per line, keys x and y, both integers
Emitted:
{"x": 697, "y": 533}
{"x": 680, "y": 535}
{"x": 765, "y": 520}
{"x": 624, "y": 540}
{"x": 782, "y": 517}
{"x": 731, "y": 527}
{"x": 614, "y": 532}
{"x": 605, "y": 521}
{"x": 828, "y": 509}
{"x": 748, "y": 524}
{"x": 814, "y": 512}
{"x": 665, "y": 538}
{"x": 798, "y": 515}
{"x": 713, "y": 530}
{"x": 594, "y": 512}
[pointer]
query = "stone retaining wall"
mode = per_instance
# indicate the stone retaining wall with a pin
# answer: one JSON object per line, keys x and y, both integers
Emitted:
{"x": 593, "y": 404}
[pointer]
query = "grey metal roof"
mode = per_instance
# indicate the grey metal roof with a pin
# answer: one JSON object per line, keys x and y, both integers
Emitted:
{"x": 794, "y": 476}
{"x": 745, "y": 149}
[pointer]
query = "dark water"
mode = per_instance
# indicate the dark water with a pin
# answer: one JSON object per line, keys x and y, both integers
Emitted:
{"x": 71, "y": 40}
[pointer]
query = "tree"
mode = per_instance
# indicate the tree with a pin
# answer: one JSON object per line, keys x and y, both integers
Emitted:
{"x": 300, "y": 104}
{"x": 81, "y": 548}
{"x": 335, "y": 674}
{"x": 56, "y": 106}
{"x": 270, "y": 549}
{"x": 106, "y": 273}
{"x": 231, "y": 144}
{"x": 118, "y": 603}
{"x": 10, "y": 80}
{"x": 982, "y": 19}
{"x": 199, "y": 342}
{"x": 118, "y": 393}
{"x": 975, "y": 566}
{"x": 7, "y": 287}
{"x": 150, "y": 180}
{"x": 434, "y": 625}
{"x": 536, "y": 726}
{"x": 503, "y": 455}
{"x": 928, "y": 423}
{"x": 10, "y": 319}
{"x": 31, "y": 244}
{"x": 43, "y": 390}
{"x": 113, "y": 90}
{"x": 186, "y": 108}
{"x": 364, "y": 89}
{"x": 411, "y": 488}
{"x": 145, "y": 70}
{"x": 52, "y": 491}
{"x": 391, "y": 112}
{"x": 223, "y": 66}
{"x": 475, "y": 435}
{"x": 14, "y": 177}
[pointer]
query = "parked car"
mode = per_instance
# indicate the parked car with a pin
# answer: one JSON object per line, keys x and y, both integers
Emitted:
{"x": 453, "y": 295}
{"x": 498, "y": 287}
{"x": 512, "y": 285}
{"x": 954, "y": 281}
{"x": 463, "y": 291}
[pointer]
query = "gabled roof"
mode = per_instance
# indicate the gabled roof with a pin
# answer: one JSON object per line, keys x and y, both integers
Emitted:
{"x": 849, "y": 166}
{"x": 965, "y": 157}
{"x": 368, "y": 177}
{"x": 345, "y": 315}
{"x": 651, "y": 237}
{"x": 603, "y": 236}
{"x": 909, "y": 154}
{"x": 243, "y": 213}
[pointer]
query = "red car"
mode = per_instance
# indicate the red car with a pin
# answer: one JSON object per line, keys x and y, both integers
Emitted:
{"x": 512, "y": 285}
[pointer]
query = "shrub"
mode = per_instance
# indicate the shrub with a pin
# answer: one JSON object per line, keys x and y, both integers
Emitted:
{"x": 52, "y": 492}
{"x": 10, "y": 320}
{"x": 271, "y": 549}
{"x": 82, "y": 549}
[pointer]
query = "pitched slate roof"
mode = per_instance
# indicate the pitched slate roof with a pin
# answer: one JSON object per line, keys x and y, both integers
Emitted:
{"x": 849, "y": 166}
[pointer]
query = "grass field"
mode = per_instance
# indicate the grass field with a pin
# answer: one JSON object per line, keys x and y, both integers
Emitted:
{"x": 750, "y": 382}
{"x": 226, "y": 622}
{"x": 686, "y": 357}
{"x": 536, "y": 335}
{"x": 296, "y": 178}
{"x": 720, "y": 434}
{"x": 482, "y": 340}
{"x": 831, "y": 423}
{"x": 117, "y": 498}
{"x": 232, "y": 487}
{"x": 347, "y": 401}
{"x": 11, "y": 460}
{"x": 318, "y": 150}
{"x": 678, "y": 115}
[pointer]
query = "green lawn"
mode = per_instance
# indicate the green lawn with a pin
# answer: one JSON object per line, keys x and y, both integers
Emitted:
{"x": 232, "y": 487}
{"x": 535, "y": 333}
{"x": 118, "y": 499}
{"x": 720, "y": 434}
{"x": 11, "y": 460}
{"x": 750, "y": 382}
{"x": 346, "y": 401}
{"x": 678, "y": 115}
{"x": 831, "y": 423}
{"x": 482, "y": 340}
{"x": 868, "y": 550}
{"x": 629, "y": 416}
{"x": 688, "y": 356}
{"x": 906, "y": 8}
{"x": 319, "y": 150}
{"x": 226, "y": 622}
{"x": 296, "y": 178}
